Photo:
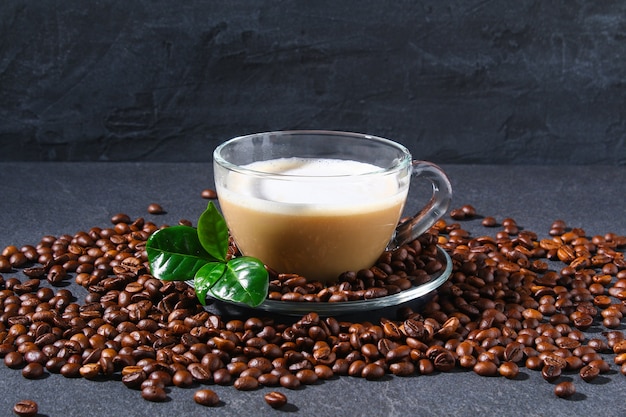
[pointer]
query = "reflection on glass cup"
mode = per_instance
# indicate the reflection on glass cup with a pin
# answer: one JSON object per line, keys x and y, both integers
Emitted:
{"x": 319, "y": 203}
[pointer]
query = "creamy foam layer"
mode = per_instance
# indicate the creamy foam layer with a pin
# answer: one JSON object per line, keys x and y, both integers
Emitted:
{"x": 321, "y": 184}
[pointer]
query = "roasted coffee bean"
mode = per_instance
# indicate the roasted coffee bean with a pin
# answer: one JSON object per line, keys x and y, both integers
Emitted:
{"x": 246, "y": 383}
{"x": 289, "y": 381}
{"x": 486, "y": 368}
{"x": 70, "y": 370}
{"x": 373, "y": 371}
{"x": 155, "y": 208}
{"x": 275, "y": 399}
{"x": 200, "y": 373}
{"x": 509, "y": 370}
{"x": 5, "y": 264}
{"x": 209, "y": 194}
{"x": 154, "y": 394}
{"x": 269, "y": 379}
{"x": 14, "y": 360}
{"x": 222, "y": 377}
{"x": 90, "y": 370}
{"x": 489, "y": 221}
{"x": 550, "y": 372}
{"x": 444, "y": 361}
{"x": 589, "y": 373}
{"x": 514, "y": 352}
{"x": 182, "y": 378}
{"x": 134, "y": 380}
{"x": 206, "y": 397}
{"x": 120, "y": 218}
{"x": 457, "y": 214}
{"x": 152, "y": 383}
{"x": 402, "y": 368}
{"x": 565, "y": 389}
{"x": 425, "y": 366}
{"x": 54, "y": 364}
{"x": 33, "y": 370}
{"x": 307, "y": 376}
{"x": 469, "y": 210}
{"x": 26, "y": 408}
{"x": 602, "y": 365}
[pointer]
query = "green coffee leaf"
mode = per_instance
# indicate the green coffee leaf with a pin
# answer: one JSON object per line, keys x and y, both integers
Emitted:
{"x": 245, "y": 280}
{"x": 176, "y": 254}
{"x": 206, "y": 277}
{"x": 213, "y": 232}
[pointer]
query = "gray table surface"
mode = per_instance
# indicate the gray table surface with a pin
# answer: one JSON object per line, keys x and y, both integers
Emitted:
{"x": 38, "y": 199}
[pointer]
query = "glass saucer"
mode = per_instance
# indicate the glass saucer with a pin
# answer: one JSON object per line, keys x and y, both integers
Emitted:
{"x": 298, "y": 308}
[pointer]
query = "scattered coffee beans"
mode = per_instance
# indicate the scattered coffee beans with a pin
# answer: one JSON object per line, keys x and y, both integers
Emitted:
{"x": 513, "y": 300}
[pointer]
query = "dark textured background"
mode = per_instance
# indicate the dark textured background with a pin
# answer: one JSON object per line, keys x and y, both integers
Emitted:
{"x": 465, "y": 81}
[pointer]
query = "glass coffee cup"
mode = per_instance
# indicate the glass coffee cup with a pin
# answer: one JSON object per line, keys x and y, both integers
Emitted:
{"x": 320, "y": 203}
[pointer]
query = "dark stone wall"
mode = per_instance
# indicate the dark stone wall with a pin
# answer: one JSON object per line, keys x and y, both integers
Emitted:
{"x": 520, "y": 82}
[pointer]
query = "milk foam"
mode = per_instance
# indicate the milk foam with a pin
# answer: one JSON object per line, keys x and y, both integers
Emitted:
{"x": 321, "y": 183}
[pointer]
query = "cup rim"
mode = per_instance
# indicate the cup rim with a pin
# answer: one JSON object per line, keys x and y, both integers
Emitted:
{"x": 399, "y": 163}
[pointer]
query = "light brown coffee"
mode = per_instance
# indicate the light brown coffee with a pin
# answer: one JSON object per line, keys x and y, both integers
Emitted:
{"x": 337, "y": 216}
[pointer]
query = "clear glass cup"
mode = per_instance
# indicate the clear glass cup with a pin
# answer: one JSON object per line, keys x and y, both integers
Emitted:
{"x": 319, "y": 203}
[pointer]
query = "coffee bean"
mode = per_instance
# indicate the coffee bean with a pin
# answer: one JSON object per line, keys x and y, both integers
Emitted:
{"x": 120, "y": 218}
{"x": 373, "y": 371}
{"x": 564, "y": 389}
{"x": 222, "y": 377}
{"x": 26, "y": 408}
{"x": 5, "y": 264}
{"x": 323, "y": 371}
{"x": 155, "y": 208}
{"x": 70, "y": 370}
{"x": 486, "y": 368}
{"x": 200, "y": 373}
{"x": 33, "y": 370}
{"x": 589, "y": 373}
{"x": 425, "y": 367}
{"x": 209, "y": 194}
{"x": 469, "y": 210}
{"x": 550, "y": 372}
{"x": 275, "y": 399}
{"x": 457, "y": 214}
{"x": 134, "y": 380}
{"x": 152, "y": 383}
{"x": 246, "y": 383}
{"x": 509, "y": 370}
{"x": 206, "y": 397}
{"x": 489, "y": 221}
{"x": 154, "y": 394}
{"x": 307, "y": 376}
{"x": 182, "y": 378}
{"x": 14, "y": 360}
{"x": 289, "y": 381}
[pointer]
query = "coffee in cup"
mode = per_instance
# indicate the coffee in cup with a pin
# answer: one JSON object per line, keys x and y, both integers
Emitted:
{"x": 319, "y": 203}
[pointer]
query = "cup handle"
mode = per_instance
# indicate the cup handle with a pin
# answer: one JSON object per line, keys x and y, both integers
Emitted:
{"x": 435, "y": 209}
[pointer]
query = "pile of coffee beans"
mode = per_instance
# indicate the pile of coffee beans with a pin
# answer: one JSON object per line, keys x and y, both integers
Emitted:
{"x": 514, "y": 300}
